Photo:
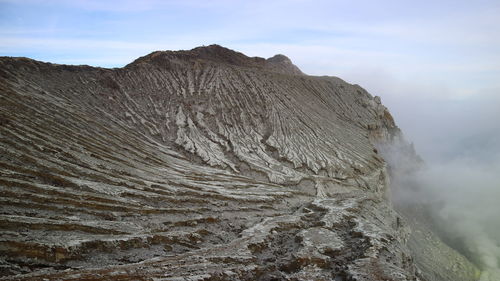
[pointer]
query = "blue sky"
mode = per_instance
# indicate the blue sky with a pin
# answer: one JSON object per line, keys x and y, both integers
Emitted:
{"x": 425, "y": 58}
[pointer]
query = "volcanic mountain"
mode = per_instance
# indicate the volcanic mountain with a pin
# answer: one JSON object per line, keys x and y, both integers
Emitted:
{"x": 201, "y": 165}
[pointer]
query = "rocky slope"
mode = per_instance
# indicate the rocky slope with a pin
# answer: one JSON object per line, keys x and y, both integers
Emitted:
{"x": 199, "y": 165}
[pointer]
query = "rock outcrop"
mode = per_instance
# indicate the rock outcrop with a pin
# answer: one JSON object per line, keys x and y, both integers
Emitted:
{"x": 195, "y": 165}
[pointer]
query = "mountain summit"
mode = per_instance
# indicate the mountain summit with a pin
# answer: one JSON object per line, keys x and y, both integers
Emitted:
{"x": 200, "y": 165}
{"x": 221, "y": 55}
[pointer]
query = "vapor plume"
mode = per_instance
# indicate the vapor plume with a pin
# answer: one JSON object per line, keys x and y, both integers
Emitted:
{"x": 459, "y": 179}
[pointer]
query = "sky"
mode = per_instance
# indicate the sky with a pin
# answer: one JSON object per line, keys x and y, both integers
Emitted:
{"x": 436, "y": 64}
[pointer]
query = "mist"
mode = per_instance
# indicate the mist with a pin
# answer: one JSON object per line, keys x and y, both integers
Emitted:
{"x": 462, "y": 196}
{"x": 458, "y": 140}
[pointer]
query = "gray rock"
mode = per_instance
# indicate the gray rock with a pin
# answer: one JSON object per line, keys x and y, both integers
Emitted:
{"x": 195, "y": 165}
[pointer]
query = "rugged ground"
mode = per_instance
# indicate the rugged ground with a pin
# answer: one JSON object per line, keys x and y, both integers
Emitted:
{"x": 201, "y": 165}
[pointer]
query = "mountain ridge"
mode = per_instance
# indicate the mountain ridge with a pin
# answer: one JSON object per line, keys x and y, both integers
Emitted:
{"x": 218, "y": 54}
{"x": 201, "y": 164}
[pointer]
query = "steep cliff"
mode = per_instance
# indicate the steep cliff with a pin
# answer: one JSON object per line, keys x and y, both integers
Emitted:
{"x": 195, "y": 165}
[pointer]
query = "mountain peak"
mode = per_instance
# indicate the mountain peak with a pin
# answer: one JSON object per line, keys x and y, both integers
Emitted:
{"x": 219, "y": 54}
{"x": 281, "y": 63}
{"x": 279, "y": 58}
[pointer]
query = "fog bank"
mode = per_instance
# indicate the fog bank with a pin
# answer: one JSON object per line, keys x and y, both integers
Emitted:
{"x": 459, "y": 141}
